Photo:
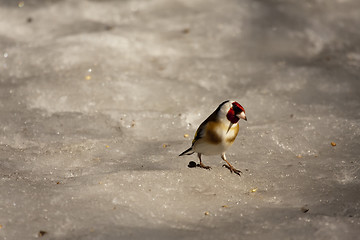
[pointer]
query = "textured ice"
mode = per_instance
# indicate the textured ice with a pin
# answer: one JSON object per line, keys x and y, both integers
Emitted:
{"x": 98, "y": 98}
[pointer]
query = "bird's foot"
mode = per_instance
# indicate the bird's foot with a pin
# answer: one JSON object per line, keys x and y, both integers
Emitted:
{"x": 232, "y": 169}
{"x": 204, "y": 166}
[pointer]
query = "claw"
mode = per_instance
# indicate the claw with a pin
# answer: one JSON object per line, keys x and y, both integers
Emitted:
{"x": 232, "y": 169}
{"x": 203, "y": 166}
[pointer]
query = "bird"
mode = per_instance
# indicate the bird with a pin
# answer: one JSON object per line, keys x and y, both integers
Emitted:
{"x": 217, "y": 133}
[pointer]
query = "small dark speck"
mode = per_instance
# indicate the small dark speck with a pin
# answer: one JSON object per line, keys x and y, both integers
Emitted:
{"x": 185, "y": 31}
{"x": 192, "y": 164}
{"x": 305, "y": 209}
{"x": 41, "y": 233}
{"x": 29, "y": 20}
{"x": 108, "y": 28}
{"x": 291, "y": 115}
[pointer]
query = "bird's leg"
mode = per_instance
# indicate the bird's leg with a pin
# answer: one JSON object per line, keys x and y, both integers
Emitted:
{"x": 229, "y": 166}
{"x": 201, "y": 164}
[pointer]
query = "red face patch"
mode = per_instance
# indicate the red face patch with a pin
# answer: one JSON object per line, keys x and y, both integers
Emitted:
{"x": 233, "y": 111}
{"x": 231, "y": 116}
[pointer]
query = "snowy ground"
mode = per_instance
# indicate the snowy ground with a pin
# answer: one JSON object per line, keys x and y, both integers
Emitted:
{"x": 97, "y": 99}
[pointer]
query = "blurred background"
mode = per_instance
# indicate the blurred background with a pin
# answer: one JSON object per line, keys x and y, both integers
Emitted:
{"x": 98, "y": 99}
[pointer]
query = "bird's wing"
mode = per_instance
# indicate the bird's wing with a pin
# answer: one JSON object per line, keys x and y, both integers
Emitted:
{"x": 200, "y": 132}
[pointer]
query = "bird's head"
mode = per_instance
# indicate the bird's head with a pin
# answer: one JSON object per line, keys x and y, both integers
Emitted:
{"x": 234, "y": 111}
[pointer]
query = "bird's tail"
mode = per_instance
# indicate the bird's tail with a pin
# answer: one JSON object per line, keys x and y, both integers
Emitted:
{"x": 187, "y": 152}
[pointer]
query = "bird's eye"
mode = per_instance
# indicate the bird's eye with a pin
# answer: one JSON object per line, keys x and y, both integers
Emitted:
{"x": 236, "y": 108}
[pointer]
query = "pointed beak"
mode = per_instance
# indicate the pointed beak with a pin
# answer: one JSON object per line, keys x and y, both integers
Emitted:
{"x": 243, "y": 116}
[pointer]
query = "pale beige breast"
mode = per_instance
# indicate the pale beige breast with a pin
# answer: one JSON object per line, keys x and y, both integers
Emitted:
{"x": 216, "y": 139}
{"x": 232, "y": 134}
{"x": 216, "y": 133}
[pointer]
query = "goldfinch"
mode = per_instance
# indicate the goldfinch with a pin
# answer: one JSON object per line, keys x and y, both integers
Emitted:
{"x": 217, "y": 133}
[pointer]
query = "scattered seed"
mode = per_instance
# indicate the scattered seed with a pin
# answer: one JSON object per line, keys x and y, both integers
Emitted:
{"x": 185, "y": 31}
{"x": 41, "y": 233}
{"x": 108, "y": 28}
{"x": 305, "y": 209}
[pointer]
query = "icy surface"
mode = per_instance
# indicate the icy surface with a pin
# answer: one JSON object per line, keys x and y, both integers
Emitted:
{"x": 98, "y": 98}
